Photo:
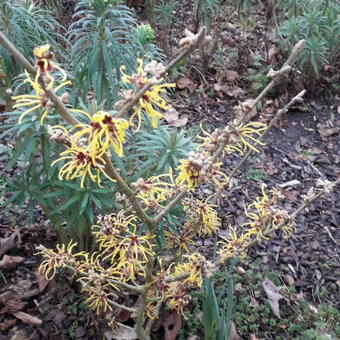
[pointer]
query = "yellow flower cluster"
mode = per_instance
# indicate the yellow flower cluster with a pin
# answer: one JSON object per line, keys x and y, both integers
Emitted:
{"x": 63, "y": 257}
{"x": 234, "y": 246}
{"x": 101, "y": 131}
{"x": 266, "y": 216}
{"x": 182, "y": 241}
{"x": 45, "y": 65}
{"x": 151, "y": 101}
{"x": 123, "y": 256}
{"x": 35, "y": 101}
{"x": 122, "y": 246}
{"x": 238, "y": 139}
{"x": 198, "y": 169}
{"x": 203, "y": 217}
{"x": 242, "y": 139}
{"x": 89, "y": 145}
{"x": 46, "y": 75}
{"x": 81, "y": 163}
{"x": 155, "y": 190}
{"x": 197, "y": 266}
{"x": 177, "y": 297}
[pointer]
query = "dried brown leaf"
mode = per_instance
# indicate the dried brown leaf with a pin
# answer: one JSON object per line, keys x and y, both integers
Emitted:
{"x": 273, "y": 296}
{"x": 289, "y": 280}
{"x": 231, "y": 75}
{"x": 233, "y": 333}
{"x": 172, "y": 324}
{"x": 19, "y": 335}
{"x": 7, "y": 296}
{"x": 13, "y": 306}
{"x": 186, "y": 83}
{"x": 42, "y": 281}
{"x": 7, "y": 324}
{"x": 11, "y": 262}
{"x": 27, "y": 318}
{"x": 272, "y": 53}
{"x": 9, "y": 242}
{"x": 123, "y": 332}
{"x": 171, "y": 116}
{"x": 223, "y": 87}
{"x": 326, "y": 131}
{"x": 57, "y": 316}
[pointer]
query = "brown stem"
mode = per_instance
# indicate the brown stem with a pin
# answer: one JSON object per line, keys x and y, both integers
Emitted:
{"x": 289, "y": 62}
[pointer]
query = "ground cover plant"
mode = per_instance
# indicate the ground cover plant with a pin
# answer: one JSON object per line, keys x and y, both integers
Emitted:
{"x": 139, "y": 197}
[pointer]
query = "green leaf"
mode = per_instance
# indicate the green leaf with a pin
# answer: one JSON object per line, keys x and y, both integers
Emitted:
{"x": 84, "y": 203}
{"x": 66, "y": 205}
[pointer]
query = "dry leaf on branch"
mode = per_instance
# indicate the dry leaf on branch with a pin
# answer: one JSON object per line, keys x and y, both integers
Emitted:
{"x": 27, "y": 318}
{"x": 273, "y": 296}
{"x": 10, "y": 262}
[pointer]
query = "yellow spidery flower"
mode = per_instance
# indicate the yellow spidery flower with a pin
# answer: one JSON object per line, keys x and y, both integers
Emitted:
{"x": 103, "y": 130}
{"x": 266, "y": 215}
{"x": 131, "y": 245}
{"x": 155, "y": 190}
{"x": 235, "y": 246}
{"x": 197, "y": 169}
{"x": 197, "y": 266}
{"x": 81, "y": 163}
{"x": 35, "y": 101}
{"x": 61, "y": 258}
{"x": 243, "y": 138}
{"x": 99, "y": 296}
{"x": 210, "y": 141}
{"x": 151, "y": 101}
{"x": 111, "y": 227}
{"x": 177, "y": 297}
{"x": 45, "y": 65}
{"x": 182, "y": 241}
{"x": 189, "y": 174}
{"x": 129, "y": 252}
{"x": 203, "y": 217}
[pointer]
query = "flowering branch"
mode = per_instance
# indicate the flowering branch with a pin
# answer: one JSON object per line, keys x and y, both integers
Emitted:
{"x": 243, "y": 117}
{"x": 194, "y": 44}
{"x": 277, "y": 116}
{"x": 286, "y": 67}
{"x": 17, "y": 55}
{"x": 307, "y": 201}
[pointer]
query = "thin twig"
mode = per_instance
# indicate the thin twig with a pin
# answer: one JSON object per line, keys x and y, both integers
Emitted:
{"x": 117, "y": 305}
{"x": 289, "y": 62}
